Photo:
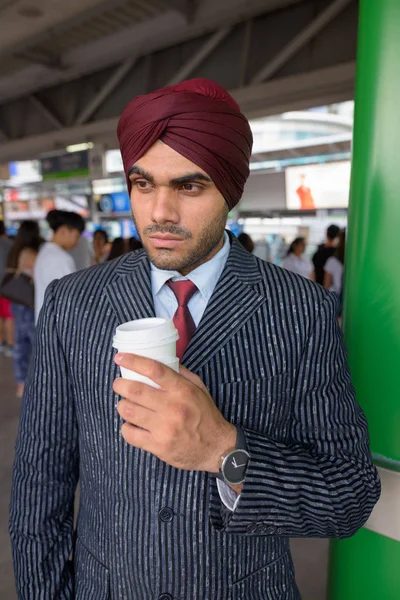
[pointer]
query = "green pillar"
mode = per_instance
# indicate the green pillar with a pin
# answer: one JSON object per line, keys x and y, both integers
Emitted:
{"x": 367, "y": 566}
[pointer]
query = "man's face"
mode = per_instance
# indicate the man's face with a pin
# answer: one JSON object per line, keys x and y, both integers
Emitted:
{"x": 71, "y": 237}
{"x": 178, "y": 211}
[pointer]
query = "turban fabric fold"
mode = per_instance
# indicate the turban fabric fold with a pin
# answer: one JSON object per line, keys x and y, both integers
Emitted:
{"x": 199, "y": 120}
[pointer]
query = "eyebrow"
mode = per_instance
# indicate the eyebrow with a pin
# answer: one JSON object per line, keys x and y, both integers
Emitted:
{"x": 195, "y": 176}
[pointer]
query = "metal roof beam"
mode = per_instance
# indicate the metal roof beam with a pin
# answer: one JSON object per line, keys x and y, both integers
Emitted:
{"x": 300, "y": 40}
{"x": 210, "y": 45}
{"x": 50, "y": 116}
{"x": 105, "y": 91}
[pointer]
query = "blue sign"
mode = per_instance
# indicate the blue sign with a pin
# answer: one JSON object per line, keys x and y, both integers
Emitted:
{"x": 117, "y": 202}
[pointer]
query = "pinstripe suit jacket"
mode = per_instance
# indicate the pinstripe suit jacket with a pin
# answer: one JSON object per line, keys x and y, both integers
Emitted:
{"x": 269, "y": 350}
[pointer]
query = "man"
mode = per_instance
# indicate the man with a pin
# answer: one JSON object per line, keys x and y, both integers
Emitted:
{"x": 189, "y": 491}
{"x": 6, "y": 318}
{"x": 324, "y": 252}
{"x": 54, "y": 259}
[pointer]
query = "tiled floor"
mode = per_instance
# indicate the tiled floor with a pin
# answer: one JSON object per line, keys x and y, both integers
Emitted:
{"x": 310, "y": 555}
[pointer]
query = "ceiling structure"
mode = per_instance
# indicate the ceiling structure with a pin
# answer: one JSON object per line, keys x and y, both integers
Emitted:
{"x": 67, "y": 69}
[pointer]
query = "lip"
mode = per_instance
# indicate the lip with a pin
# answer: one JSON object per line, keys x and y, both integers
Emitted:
{"x": 165, "y": 240}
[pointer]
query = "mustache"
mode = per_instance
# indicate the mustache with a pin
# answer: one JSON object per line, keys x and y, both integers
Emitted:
{"x": 172, "y": 229}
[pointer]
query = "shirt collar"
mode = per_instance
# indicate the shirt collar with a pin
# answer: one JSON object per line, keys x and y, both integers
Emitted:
{"x": 205, "y": 276}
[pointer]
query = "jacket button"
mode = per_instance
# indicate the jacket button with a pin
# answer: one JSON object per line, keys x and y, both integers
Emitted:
{"x": 262, "y": 529}
{"x": 166, "y": 515}
{"x": 252, "y": 528}
{"x": 280, "y": 530}
{"x": 165, "y": 597}
{"x": 271, "y": 530}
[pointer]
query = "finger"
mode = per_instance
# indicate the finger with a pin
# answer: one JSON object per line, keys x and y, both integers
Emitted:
{"x": 152, "y": 369}
{"x": 129, "y": 388}
{"x": 139, "y": 393}
{"x": 137, "y": 415}
{"x": 140, "y": 438}
{"x": 195, "y": 379}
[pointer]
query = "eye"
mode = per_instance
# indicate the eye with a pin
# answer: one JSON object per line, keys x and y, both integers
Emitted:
{"x": 142, "y": 184}
{"x": 191, "y": 188}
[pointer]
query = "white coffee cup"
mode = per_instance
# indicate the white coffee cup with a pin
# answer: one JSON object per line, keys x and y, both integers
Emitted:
{"x": 154, "y": 338}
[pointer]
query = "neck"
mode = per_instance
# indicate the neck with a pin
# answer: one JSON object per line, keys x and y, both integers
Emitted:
{"x": 329, "y": 243}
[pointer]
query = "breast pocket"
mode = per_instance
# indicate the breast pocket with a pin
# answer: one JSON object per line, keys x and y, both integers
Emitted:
{"x": 261, "y": 404}
{"x": 92, "y": 579}
{"x": 275, "y": 581}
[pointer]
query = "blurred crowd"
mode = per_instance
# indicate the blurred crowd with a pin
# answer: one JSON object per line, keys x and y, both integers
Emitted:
{"x": 28, "y": 264}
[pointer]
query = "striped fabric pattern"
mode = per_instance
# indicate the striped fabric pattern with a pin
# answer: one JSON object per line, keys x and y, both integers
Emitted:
{"x": 270, "y": 351}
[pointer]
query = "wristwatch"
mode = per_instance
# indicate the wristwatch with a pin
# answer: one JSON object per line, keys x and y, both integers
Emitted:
{"x": 234, "y": 464}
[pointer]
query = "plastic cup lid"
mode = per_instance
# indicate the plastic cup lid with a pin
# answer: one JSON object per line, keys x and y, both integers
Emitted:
{"x": 146, "y": 332}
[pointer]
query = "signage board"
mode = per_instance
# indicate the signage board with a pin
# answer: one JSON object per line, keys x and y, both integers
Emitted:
{"x": 318, "y": 186}
{"x": 64, "y": 166}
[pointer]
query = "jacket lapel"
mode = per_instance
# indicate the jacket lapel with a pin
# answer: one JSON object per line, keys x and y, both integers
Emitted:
{"x": 130, "y": 294}
{"x": 234, "y": 301}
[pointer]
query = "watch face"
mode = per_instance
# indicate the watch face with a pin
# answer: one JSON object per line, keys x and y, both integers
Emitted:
{"x": 234, "y": 466}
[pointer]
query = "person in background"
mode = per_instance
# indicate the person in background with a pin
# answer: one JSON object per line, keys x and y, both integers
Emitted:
{"x": 334, "y": 267}
{"x": 21, "y": 259}
{"x": 6, "y": 320}
{"x": 294, "y": 260}
{"x": 53, "y": 261}
{"x": 118, "y": 248}
{"x": 324, "y": 252}
{"x": 304, "y": 194}
{"x": 134, "y": 244}
{"x": 82, "y": 254}
{"x": 246, "y": 242}
{"x": 101, "y": 246}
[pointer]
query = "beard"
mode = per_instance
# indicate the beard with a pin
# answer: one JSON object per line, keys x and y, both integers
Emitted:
{"x": 186, "y": 260}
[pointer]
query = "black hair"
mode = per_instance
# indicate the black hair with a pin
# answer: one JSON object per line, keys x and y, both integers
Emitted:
{"x": 134, "y": 244}
{"x": 246, "y": 242}
{"x": 341, "y": 247}
{"x": 118, "y": 248}
{"x": 102, "y": 233}
{"x": 332, "y": 232}
{"x": 60, "y": 218}
{"x": 28, "y": 236}
{"x": 296, "y": 242}
{"x": 2, "y": 228}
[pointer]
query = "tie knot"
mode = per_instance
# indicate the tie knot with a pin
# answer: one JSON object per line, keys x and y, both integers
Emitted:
{"x": 183, "y": 290}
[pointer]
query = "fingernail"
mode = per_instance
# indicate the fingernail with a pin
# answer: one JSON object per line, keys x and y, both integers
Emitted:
{"x": 119, "y": 357}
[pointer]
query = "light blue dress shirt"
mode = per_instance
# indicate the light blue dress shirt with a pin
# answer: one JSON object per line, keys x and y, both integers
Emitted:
{"x": 165, "y": 304}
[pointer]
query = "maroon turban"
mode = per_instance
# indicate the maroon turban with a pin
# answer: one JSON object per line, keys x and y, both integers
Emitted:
{"x": 198, "y": 119}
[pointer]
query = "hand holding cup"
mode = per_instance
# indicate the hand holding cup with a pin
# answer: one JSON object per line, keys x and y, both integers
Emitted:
{"x": 178, "y": 422}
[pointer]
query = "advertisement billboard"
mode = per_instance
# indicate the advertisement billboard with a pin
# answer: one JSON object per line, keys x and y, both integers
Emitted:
{"x": 318, "y": 186}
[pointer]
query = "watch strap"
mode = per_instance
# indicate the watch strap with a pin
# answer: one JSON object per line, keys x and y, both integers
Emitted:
{"x": 241, "y": 444}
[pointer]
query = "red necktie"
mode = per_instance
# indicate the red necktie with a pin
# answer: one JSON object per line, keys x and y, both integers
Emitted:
{"x": 182, "y": 319}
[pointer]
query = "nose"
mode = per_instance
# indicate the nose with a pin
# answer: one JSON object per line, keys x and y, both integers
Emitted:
{"x": 165, "y": 207}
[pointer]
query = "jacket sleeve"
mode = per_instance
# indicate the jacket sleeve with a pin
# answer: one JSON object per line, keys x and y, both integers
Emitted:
{"x": 322, "y": 483}
{"x": 45, "y": 471}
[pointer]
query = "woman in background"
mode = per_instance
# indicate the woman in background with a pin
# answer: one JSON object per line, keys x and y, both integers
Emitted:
{"x": 101, "y": 246}
{"x": 294, "y": 260}
{"x": 334, "y": 267}
{"x": 22, "y": 259}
